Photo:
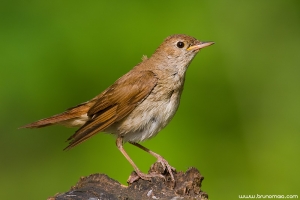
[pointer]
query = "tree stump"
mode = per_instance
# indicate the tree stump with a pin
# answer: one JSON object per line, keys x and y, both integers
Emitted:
{"x": 187, "y": 186}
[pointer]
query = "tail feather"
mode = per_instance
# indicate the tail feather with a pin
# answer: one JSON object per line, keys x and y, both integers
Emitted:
{"x": 64, "y": 118}
{"x": 56, "y": 119}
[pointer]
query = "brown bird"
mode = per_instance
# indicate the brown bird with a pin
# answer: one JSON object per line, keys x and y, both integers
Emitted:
{"x": 139, "y": 104}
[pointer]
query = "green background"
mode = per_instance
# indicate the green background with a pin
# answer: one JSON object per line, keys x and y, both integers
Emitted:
{"x": 238, "y": 121}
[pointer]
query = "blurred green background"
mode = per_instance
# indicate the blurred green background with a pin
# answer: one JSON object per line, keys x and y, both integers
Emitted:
{"x": 238, "y": 121}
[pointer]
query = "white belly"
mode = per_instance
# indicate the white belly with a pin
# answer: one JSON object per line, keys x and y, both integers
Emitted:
{"x": 146, "y": 121}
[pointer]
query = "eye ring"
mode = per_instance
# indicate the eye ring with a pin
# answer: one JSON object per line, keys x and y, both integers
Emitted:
{"x": 180, "y": 44}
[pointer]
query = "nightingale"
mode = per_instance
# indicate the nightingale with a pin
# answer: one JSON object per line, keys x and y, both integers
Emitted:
{"x": 138, "y": 105}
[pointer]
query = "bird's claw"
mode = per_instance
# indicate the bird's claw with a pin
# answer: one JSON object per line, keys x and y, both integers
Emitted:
{"x": 138, "y": 174}
{"x": 166, "y": 165}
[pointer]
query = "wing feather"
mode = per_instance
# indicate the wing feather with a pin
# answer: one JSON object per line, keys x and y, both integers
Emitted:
{"x": 115, "y": 103}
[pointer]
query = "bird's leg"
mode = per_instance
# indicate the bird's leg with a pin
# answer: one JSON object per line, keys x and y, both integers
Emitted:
{"x": 160, "y": 159}
{"x": 119, "y": 143}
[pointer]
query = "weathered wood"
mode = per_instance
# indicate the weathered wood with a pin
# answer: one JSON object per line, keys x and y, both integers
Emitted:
{"x": 99, "y": 186}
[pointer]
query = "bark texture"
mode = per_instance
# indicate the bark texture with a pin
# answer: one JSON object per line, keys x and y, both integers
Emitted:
{"x": 187, "y": 186}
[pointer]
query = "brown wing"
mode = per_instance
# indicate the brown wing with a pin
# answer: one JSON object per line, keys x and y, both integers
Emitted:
{"x": 115, "y": 103}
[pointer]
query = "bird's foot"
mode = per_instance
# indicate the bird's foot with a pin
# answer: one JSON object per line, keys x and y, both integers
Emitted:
{"x": 166, "y": 165}
{"x": 135, "y": 175}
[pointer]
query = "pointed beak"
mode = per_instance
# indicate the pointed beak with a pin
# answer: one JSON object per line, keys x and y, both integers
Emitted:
{"x": 199, "y": 46}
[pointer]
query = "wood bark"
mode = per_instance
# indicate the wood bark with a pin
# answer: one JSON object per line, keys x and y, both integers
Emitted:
{"x": 187, "y": 186}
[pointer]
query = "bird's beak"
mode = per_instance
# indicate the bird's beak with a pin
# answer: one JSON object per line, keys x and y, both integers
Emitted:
{"x": 199, "y": 46}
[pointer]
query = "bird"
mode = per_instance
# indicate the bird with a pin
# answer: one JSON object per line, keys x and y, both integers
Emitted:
{"x": 138, "y": 105}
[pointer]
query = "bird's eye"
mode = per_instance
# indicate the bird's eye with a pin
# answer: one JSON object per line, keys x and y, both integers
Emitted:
{"x": 180, "y": 44}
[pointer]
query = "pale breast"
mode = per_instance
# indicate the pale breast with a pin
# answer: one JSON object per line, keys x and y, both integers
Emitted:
{"x": 147, "y": 119}
{"x": 154, "y": 113}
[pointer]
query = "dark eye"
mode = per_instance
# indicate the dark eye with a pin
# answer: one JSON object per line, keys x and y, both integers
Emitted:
{"x": 180, "y": 44}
